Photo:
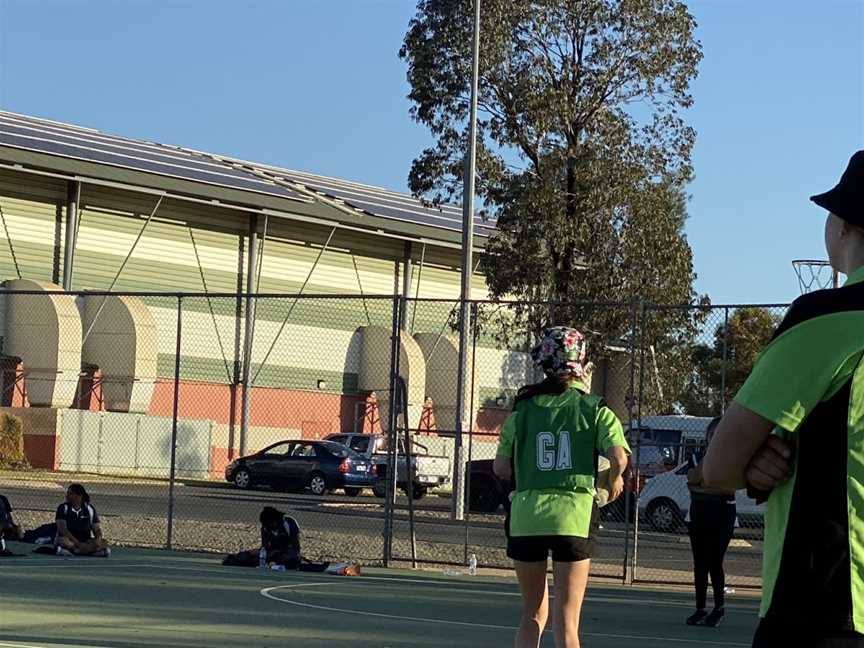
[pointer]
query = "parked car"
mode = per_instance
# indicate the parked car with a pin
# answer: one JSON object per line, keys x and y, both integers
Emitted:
{"x": 486, "y": 493}
{"x": 320, "y": 466}
{"x": 665, "y": 501}
{"x": 430, "y": 471}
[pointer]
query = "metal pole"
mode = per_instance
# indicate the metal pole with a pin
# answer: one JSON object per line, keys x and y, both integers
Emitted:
{"x": 417, "y": 289}
{"x": 631, "y": 413}
{"x": 72, "y": 195}
{"x": 392, "y": 442}
{"x": 725, "y": 360}
{"x": 642, "y": 327}
{"x": 458, "y": 509}
{"x": 407, "y": 277}
{"x": 236, "y": 374}
{"x": 470, "y": 438}
{"x": 174, "y": 420}
{"x": 409, "y": 465}
{"x": 248, "y": 334}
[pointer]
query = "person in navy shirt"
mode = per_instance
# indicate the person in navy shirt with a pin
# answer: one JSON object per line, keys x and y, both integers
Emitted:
{"x": 79, "y": 530}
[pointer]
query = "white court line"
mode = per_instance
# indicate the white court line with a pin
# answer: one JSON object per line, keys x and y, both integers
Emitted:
{"x": 65, "y": 645}
{"x": 267, "y": 592}
{"x": 470, "y": 589}
{"x": 466, "y": 587}
{"x": 67, "y": 562}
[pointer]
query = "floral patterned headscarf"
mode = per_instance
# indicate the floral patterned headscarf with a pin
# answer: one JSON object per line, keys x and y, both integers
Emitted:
{"x": 561, "y": 352}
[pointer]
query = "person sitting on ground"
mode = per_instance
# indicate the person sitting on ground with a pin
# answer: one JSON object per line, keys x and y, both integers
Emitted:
{"x": 280, "y": 543}
{"x": 79, "y": 531}
{"x": 280, "y": 538}
{"x": 280, "y": 549}
{"x": 8, "y": 529}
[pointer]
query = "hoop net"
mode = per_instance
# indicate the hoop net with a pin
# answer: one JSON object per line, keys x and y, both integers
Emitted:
{"x": 814, "y": 275}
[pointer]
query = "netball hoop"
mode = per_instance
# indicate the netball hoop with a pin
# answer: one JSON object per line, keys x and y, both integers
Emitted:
{"x": 815, "y": 275}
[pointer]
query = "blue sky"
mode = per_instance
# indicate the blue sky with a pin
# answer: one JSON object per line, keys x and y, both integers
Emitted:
{"x": 318, "y": 86}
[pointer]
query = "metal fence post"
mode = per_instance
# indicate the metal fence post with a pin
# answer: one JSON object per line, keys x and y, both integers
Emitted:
{"x": 643, "y": 324}
{"x": 471, "y": 416}
{"x": 630, "y": 502}
{"x": 392, "y": 436}
{"x": 174, "y": 421}
{"x": 725, "y": 360}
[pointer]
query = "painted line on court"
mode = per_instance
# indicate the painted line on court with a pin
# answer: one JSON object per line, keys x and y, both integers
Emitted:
{"x": 53, "y": 645}
{"x": 472, "y": 588}
{"x": 469, "y": 588}
{"x": 267, "y": 592}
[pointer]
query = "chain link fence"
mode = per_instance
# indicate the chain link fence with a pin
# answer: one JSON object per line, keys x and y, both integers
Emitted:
{"x": 185, "y": 414}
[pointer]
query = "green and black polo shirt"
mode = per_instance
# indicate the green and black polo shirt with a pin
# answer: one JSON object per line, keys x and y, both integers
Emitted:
{"x": 810, "y": 382}
{"x": 553, "y": 439}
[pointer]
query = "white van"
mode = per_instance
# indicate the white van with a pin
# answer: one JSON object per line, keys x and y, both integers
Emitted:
{"x": 665, "y": 502}
{"x": 665, "y": 442}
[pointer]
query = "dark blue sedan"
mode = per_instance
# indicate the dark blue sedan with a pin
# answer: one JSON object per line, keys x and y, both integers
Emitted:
{"x": 320, "y": 466}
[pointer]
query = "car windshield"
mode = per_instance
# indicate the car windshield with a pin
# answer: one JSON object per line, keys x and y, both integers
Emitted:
{"x": 342, "y": 451}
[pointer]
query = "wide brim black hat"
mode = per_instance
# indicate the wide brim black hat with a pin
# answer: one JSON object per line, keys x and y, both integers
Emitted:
{"x": 846, "y": 200}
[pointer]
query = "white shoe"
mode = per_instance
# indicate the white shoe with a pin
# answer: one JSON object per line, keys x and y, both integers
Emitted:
{"x": 64, "y": 552}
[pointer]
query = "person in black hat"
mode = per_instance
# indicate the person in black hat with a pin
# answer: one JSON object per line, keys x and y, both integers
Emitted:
{"x": 796, "y": 432}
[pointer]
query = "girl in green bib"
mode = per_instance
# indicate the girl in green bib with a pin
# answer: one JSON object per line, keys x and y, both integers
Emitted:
{"x": 549, "y": 446}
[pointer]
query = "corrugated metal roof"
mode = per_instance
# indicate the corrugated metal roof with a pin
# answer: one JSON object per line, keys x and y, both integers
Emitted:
{"x": 76, "y": 142}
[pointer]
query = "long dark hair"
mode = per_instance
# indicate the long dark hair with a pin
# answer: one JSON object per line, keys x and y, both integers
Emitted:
{"x": 270, "y": 516}
{"x": 549, "y": 385}
{"x": 78, "y": 489}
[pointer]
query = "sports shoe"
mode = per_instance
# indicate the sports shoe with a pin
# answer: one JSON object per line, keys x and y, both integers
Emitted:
{"x": 64, "y": 552}
{"x": 697, "y": 618}
{"x": 714, "y": 619}
{"x": 103, "y": 553}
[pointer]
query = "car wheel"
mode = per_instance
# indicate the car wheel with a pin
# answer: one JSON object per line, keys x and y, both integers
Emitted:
{"x": 353, "y": 492}
{"x": 664, "y": 515}
{"x": 418, "y": 493}
{"x": 379, "y": 488}
{"x": 242, "y": 479}
{"x": 484, "y": 497}
{"x": 318, "y": 484}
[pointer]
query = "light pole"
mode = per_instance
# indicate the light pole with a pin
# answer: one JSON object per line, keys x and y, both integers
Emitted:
{"x": 458, "y": 510}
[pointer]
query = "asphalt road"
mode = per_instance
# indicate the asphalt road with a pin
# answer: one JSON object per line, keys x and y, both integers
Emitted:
{"x": 660, "y": 556}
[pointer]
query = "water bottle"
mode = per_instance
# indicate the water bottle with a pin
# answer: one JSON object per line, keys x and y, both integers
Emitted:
{"x": 262, "y": 558}
{"x": 472, "y": 565}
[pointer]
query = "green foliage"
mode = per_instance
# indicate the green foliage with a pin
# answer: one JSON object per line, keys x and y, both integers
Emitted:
{"x": 717, "y": 375}
{"x": 12, "y": 442}
{"x": 583, "y": 154}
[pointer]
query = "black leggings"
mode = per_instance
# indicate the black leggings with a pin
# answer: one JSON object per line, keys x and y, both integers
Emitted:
{"x": 712, "y": 522}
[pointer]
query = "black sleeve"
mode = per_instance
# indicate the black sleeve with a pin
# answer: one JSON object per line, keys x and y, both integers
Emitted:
{"x": 5, "y": 505}
{"x": 95, "y": 519}
{"x": 795, "y": 315}
{"x": 294, "y": 531}
{"x": 61, "y": 513}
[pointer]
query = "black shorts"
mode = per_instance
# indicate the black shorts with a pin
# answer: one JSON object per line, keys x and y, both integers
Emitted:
{"x": 562, "y": 548}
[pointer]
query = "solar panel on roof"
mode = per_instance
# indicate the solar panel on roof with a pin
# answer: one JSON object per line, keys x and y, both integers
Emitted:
{"x": 78, "y": 146}
{"x": 54, "y": 138}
